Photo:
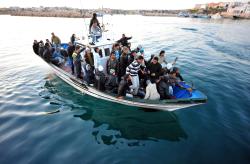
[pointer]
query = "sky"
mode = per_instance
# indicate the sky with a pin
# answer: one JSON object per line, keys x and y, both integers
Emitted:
{"x": 114, "y": 4}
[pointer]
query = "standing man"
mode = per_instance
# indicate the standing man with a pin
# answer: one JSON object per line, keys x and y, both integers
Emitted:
{"x": 77, "y": 61}
{"x": 55, "y": 40}
{"x": 133, "y": 70}
{"x": 96, "y": 33}
{"x": 124, "y": 40}
{"x": 92, "y": 21}
{"x": 70, "y": 50}
{"x": 154, "y": 69}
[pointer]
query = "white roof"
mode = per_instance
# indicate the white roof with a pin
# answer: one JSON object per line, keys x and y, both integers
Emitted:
{"x": 103, "y": 41}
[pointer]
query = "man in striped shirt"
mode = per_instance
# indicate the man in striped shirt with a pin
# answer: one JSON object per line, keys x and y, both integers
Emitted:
{"x": 133, "y": 70}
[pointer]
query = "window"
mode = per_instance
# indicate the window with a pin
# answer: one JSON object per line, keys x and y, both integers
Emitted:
{"x": 107, "y": 51}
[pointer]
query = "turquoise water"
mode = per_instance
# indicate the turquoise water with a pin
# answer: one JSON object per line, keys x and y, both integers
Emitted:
{"x": 212, "y": 54}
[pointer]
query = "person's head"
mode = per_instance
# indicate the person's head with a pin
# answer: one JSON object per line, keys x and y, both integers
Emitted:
{"x": 94, "y": 15}
{"x": 176, "y": 70}
{"x": 133, "y": 53}
{"x": 96, "y": 49}
{"x": 139, "y": 47}
{"x": 125, "y": 50}
{"x": 162, "y": 53}
{"x": 47, "y": 40}
{"x": 123, "y": 36}
{"x": 112, "y": 55}
{"x": 173, "y": 73}
{"x": 57, "y": 49}
{"x": 88, "y": 51}
{"x": 47, "y": 45}
{"x": 41, "y": 45}
{"x": 140, "y": 59}
{"x": 70, "y": 44}
{"x": 77, "y": 49}
{"x": 52, "y": 34}
{"x": 127, "y": 77}
{"x": 35, "y": 42}
{"x": 73, "y": 35}
{"x": 155, "y": 60}
{"x": 117, "y": 46}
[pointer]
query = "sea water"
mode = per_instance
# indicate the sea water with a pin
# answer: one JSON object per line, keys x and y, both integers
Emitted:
{"x": 213, "y": 54}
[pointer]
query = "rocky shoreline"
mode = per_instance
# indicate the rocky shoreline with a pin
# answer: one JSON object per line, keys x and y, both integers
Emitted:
{"x": 80, "y": 13}
{"x": 87, "y": 13}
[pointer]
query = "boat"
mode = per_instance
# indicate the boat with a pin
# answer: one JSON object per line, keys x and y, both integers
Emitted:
{"x": 216, "y": 16}
{"x": 204, "y": 16}
{"x": 183, "y": 100}
{"x": 183, "y": 14}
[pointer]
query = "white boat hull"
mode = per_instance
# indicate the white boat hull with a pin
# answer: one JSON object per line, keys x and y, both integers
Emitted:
{"x": 91, "y": 91}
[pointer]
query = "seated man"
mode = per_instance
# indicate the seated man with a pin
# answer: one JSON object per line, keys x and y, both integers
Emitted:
{"x": 95, "y": 32}
{"x": 57, "y": 57}
{"x": 100, "y": 79}
{"x": 151, "y": 91}
{"x": 47, "y": 53}
{"x": 178, "y": 75}
{"x": 154, "y": 69}
{"x": 36, "y": 47}
{"x": 123, "y": 86}
{"x": 112, "y": 71}
{"x": 41, "y": 48}
{"x": 165, "y": 85}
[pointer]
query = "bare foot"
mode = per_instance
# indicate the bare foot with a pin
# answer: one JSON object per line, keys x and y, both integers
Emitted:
{"x": 119, "y": 97}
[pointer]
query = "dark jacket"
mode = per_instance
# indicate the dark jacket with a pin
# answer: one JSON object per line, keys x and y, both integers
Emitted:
{"x": 155, "y": 70}
{"x": 47, "y": 55}
{"x": 92, "y": 21}
{"x": 166, "y": 81}
{"x": 70, "y": 50}
{"x": 36, "y": 48}
{"x": 123, "y": 86}
{"x": 123, "y": 64}
{"x": 89, "y": 59}
{"x": 124, "y": 41}
{"x": 112, "y": 65}
{"x": 40, "y": 51}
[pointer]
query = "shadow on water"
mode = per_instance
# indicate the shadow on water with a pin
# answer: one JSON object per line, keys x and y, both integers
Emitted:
{"x": 114, "y": 122}
{"x": 189, "y": 29}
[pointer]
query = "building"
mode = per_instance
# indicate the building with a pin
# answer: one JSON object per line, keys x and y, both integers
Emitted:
{"x": 239, "y": 9}
{"x": 200, "y": 6}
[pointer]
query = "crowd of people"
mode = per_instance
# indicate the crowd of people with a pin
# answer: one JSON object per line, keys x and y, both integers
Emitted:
{"x": 126, "y": 72}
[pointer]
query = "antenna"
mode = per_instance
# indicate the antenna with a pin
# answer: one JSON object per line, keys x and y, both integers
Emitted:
{"x": 86, "y": 28}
